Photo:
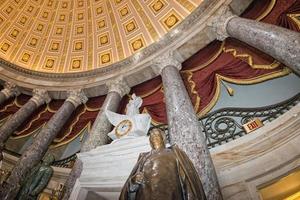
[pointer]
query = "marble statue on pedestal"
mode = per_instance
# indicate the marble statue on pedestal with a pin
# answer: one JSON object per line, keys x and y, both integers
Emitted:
{"x": 106, "y": 168}
{"x": 163, "y": 173}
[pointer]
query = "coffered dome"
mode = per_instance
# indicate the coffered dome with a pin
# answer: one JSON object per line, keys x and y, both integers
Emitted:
{"x": 63, "y": 36}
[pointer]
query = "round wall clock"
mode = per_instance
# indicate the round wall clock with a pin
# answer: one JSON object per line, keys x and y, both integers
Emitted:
{"x": 123, "y": 128}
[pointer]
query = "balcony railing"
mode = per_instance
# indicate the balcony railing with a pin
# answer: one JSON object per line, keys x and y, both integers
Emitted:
{"x": 226, "y": 124}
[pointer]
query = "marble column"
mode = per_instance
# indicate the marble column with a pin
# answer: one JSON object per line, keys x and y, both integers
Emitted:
{"x": 40, "y": 97}
{"x": 184, "y": 127}
{"x": 39, "y": 147}
{"x": 98, "y": 136}
{"x": 9, "y": 91}
{"x": 280, "y": 43}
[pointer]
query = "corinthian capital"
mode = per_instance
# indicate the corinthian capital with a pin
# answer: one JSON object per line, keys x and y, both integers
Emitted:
{"x": 219, "y": 22}
{"x": 40, "y": 96}
{"x": 166, "y": 59}
{"x": 76, "y": 97}
{"x": 10, "y": 89}
{"x": 118, "y": 85}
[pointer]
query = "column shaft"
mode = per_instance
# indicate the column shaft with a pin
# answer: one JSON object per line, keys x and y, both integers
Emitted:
{"x": 36, "y": 151}
{"x": 186, "y": 132}
{"x": 97, "y": 137}
{"x": 280, "y": 43}
{"x": 8, "y": 128}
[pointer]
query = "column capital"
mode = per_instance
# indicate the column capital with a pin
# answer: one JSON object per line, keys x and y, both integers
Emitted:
{"x": 167, "y": 59}
{"x": 76, "y": 97}
{"x": 219, "y": 21}
{"x": 118, "y": 85}
{"x": 10, "y": 89}
{"x": 40, "y": 96}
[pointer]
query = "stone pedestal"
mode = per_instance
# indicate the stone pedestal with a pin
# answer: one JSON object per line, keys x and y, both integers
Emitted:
{"x": 9, "y": 91}
{"x": 184, "y": 127}
{"x": 39, "y": 97}
{"x": 280, "y": 43}
{"x": 37, "y": 150}
{"x": 106, "y": 168}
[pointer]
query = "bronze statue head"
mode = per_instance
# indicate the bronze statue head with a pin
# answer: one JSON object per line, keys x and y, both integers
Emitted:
{"x": 156, "y": 139}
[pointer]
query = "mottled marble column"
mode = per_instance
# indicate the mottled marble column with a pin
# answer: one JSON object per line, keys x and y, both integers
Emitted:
{"x": 184, "y": 127}
{"x": 6, "y": 130}
{"x": 39, "y": 147}
{"x": 98, "y": 136}
{"x": 280, "y": 43}
{"x": 9, "y": 91}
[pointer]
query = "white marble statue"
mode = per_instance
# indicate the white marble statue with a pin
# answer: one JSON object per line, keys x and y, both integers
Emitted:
{"x": 106, "y": 168}
{"x": 131, "y": 125}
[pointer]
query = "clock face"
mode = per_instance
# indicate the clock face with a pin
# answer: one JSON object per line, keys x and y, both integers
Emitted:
{"x": 123, "y": 128}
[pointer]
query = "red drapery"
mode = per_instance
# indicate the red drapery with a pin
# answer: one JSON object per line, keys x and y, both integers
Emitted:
{"x": 232, "y": 61}
{"x": 82, "y": 118}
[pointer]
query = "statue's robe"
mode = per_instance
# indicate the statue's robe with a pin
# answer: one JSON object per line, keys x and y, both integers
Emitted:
{"x": 168, "y": 175}
{"x": 35, "y": 182}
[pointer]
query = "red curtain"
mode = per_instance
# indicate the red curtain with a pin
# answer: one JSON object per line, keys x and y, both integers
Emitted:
{"x": 202, "y": 74}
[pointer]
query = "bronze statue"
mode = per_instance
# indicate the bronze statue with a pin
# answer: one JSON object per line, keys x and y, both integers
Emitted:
{"x": 37, "y": 180}
{"x": 163, "y": 174}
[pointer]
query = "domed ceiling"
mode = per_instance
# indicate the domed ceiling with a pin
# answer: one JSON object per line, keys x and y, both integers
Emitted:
{"x": 63, "y": 36}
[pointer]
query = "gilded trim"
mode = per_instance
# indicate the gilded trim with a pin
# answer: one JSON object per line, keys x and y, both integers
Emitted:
{"x": 91, "y": 109}
{"x": 71, "y": 127}
{"x": 154, "y": 122}
{"x": 249, "y": 59}
{"x": 146, "y": 20}
{"x": 87, "y": 127}
{"x": 152, "y": 91}
{"x": 116, "y": 32}
{"x": 192, "y": 85}
{"x": 213, "y": 58}
{"x": 7, "y": 106}
{"x": 295, "y": 19}
{"x": 259, "y": 79}
{"x": 267, "y": 11}
{"x": 28, "y": 134}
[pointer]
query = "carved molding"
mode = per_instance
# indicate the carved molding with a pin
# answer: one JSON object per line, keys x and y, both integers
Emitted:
{"x": 10, "y": 89}
{"x": 219, "y": 22}
{"x": 183, "y": 39}
{"x": 40, "y": 96}
{"x": 76, "y": 97}
{"x": 167, "y": 59}
{"x": 118, "y": 85}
